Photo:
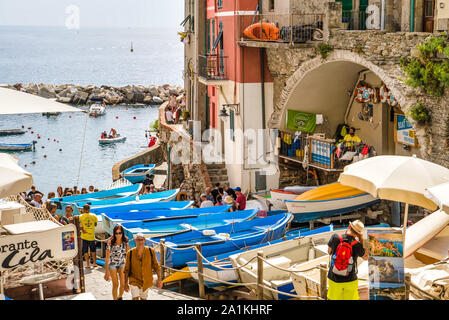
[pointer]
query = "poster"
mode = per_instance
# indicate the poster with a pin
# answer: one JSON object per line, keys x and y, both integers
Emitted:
{"x": 386, "y": 264}
{"x": 301, "y": 121}
{"x": 404, "y": 132}
{"x": 32, "y": 247}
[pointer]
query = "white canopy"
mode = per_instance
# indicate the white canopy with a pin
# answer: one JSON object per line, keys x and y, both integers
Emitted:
{"x": 440, "y": 195}
{"x": 13, "y": 179}
{"x": 17, "y": 102}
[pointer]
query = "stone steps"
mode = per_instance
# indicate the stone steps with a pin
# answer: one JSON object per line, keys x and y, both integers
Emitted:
{"x": 218, "y": 173}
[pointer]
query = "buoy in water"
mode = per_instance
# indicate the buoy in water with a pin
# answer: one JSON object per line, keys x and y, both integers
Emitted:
{"x": 34, "y": 162}
{"x": 29, "y": 128}
{"x": 48, "y": 139}
{"x": 116, "y": 117}
{"x": 23, "y": 127}
{"x": 43, "y": 147}
{"x": 25, "y": 165}
{"x": 70, "y": 116}
{"x": 60, "y": 149}
{"x": 54, "y": 139}
{"x": 45, "y": 156}
{"x": 134, "y": 117}
{"x": 32, "y": 132}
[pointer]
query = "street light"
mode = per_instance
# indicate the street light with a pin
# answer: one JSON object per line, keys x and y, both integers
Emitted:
{"x": 224, "y": 114}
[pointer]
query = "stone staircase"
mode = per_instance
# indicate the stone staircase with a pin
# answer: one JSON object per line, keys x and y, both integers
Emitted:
{"x": 218, "y": 173}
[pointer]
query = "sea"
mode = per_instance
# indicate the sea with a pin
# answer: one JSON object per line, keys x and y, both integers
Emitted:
{"x": 67, "y": 153}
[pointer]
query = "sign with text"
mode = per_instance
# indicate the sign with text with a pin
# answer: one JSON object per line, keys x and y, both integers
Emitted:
{"x": 32, "y": 247}
{"x": 404, "y": 132}
{"x": 386, "y": 264}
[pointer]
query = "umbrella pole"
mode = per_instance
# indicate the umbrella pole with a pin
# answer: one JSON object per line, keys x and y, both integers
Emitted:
{"x": 405, "y": 221}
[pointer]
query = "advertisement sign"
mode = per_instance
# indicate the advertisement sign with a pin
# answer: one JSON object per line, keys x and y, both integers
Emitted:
{"x": 301, "y": 121}
{"x": 404, "y": 132}
{"x": 386, "y": 264}
{"x": 31, "y": 247}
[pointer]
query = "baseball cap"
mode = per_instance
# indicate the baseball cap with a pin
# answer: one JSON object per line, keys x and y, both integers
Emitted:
{"x": 237, "y": 189}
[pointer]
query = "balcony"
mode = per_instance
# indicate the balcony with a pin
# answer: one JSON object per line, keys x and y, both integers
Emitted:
{"x": 213, "y": 69}
{"x": 272, "y": 30}
{"x": 355, "y": 20}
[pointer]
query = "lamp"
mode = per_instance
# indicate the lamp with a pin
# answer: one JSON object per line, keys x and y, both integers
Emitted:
{"x": 235, "y": 106}
{"x": 441, "y": 5}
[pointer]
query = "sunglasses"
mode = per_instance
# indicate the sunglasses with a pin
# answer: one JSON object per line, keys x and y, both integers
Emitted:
{"x": 118, "y": 233}
{"x": 140, "y": 239}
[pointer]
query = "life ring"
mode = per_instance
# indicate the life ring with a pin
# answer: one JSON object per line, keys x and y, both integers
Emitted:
{"x": 375, "y": 96}
{"x": 366, "y": 94}
{"x": 391, "y": 100}
{"x": 383, "y": 93}
{"x": 262, "y": 31}
{"x": 359, "y": 93}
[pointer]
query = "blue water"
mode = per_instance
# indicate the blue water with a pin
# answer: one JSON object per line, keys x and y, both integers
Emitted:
{"x": 62, "y": 167}
{"x": 56, "y": 55}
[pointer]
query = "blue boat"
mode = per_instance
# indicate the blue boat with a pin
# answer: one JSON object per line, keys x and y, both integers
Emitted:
{"x": 125, "y": 209}
{"x": 111, "y": 219}
{"x": 168, "y": 195}
{"x": 170, "y": 225}
{"x": 100, "y": 195}
{"x": 17, "y": 146}
{"x": 136, "y": 174}
{"x": 220, "y": 266}
{"x": 222, "y": 239}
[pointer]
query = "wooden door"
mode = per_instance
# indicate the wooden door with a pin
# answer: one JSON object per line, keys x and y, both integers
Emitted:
{"x": 429, "y": 10}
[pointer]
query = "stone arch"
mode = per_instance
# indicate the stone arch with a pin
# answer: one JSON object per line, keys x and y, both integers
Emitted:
{"x": 400, "y": 91}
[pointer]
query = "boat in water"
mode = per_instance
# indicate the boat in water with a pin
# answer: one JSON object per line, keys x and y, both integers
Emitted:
{"x": 328, "y": 201}
{"x": 137, "y": 173}
{"x": 178, "y": 225}
{"x": 17, "y": 146}
{"x": 118, "y": 138}
{"x": 112, "y": 219}
{"x": 98, "y": 108}
{"x": 179, "y": 247}
{"x": 9, "y": 132}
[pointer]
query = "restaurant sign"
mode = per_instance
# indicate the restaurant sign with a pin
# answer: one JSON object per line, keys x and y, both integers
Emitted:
{"x": 33, "y": 247}
{"x": 404, "y": 132}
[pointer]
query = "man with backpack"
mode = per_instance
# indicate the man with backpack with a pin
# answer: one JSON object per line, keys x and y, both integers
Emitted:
{"x": 140, "y": 263}
{"x": 344, "y": 251}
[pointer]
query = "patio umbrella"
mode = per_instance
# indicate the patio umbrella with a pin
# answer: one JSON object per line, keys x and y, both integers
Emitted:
{"x": 396, "y": 178}
{"x": 13, "y": 179}
{"x": 440, "y": 195}
{"x": 17, "y": 102}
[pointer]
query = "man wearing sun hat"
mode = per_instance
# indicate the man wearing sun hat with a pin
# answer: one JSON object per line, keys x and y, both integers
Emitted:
{"x": 344, "y": 251}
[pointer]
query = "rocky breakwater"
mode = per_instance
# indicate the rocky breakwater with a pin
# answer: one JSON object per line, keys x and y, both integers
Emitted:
{"x": 79, "y": 95}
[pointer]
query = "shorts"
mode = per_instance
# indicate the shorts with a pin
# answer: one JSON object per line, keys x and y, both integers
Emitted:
{"x": 343, "y": 290}
{"x": 114, "y": 266}
{"x": 92, "y": 245}
{"x": 138, "y": 292}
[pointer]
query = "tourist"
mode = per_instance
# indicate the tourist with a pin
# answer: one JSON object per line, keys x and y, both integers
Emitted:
{"x": 152, "y": 189}
{"x": 104, "y": 135}
{"x": 219, "y": 201}
{"x": 66, "y": 191}
{"x": 342, "y": 275}
{"x": 37, "y": 200}
{"x": 75, "y": 190}
{"x": 169, "y": 116}
{"x": 59, "y": 192}
{"x": 241, "y": 199}
{"x": 88, "y": 222}
{"x": 33, "y": 192}
{"x": 113, "y": 133}
{"x": 231, "y": 192}
{"x": 229, "y": 200}
{"x": 208, "y": 193}
{"x": 116, "y": 249}
{"x": 172, "y": 102}
{"x": 140, "y": 263}
{"x": 69, "y": 213}
{"x": 222, "y": 192}
{"x": 84, "y": 191}
{"x": 52, "y": 210}
{"x": 91, "y": 189}
{"x": 215, "y": 192}
{"x": 96, "y": 190}
{"x": 205, "y": 202}
{"x": 148, "y": 180}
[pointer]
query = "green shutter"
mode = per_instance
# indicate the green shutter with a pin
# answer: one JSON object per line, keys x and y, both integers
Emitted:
{"x": 213, "y": 33}
{"x": 231, "y": 124}
{"x": 220, "y": 4}
{"x": 207, "y": 43}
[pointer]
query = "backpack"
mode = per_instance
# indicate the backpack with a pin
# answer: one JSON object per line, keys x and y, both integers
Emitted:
{"x": 131, "y": 256}
{"x": 342, "y": 261}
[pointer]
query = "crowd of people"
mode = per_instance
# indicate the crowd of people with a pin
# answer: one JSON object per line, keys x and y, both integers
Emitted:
{"x": 219, "y": 196}
{"x": 175, "y": 109}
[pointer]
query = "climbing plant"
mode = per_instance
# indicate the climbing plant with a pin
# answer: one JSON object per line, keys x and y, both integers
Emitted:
{"x": 419, "y": 113}
{"x": 430, "y": 69}
{"x": 324, "y": 50}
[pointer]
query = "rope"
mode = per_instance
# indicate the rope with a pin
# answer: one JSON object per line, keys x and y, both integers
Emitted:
{"x": 82, "y": 150}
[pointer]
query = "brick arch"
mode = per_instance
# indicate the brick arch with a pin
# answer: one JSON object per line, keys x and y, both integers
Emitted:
{"x": 400, "y": 91}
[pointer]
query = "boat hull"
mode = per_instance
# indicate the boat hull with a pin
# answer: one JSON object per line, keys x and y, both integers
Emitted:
{"x": 16, "y": 147}
{"x": 138, "y": 173}
{"x": 278, "y": 198}
{"x": 112, "y": 140}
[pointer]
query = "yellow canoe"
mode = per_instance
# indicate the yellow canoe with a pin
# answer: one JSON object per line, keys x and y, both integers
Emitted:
{"x": 178, "y": 276}
{"x": 329, "y": 192}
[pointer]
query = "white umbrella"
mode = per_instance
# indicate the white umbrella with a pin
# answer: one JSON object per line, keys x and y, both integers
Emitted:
{"x": 13, "y": 179}
{"x": 396, "y": 178}
{"x": 17, "y": 102}
{"x": 440, "y": 195}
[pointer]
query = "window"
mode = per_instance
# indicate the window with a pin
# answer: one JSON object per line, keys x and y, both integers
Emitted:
{"x": 220, "y": 4}
{"x": 271, "y": 5}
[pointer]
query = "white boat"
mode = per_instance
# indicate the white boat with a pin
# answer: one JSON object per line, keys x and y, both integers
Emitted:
{"x": 119, "y": 138}
{"x": 278, "y": 198}
{"x": 290, "y": 254}
{"x": 97, "y": 109}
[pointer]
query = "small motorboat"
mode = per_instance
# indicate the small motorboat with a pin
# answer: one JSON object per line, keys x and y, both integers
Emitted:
{"x": 17, "y": 146}
{"x": 9, "y": 132}
{"x": 137, "y": 173}
{"x": 98, "y": 108}
{"x": 118, "y": 138}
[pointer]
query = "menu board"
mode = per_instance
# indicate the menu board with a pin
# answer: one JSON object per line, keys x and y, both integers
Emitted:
{"x": 386, "y": 264}
{"x": 404, "y": 132}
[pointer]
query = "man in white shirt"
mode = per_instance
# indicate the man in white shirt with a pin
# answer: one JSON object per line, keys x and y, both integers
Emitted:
{"x": 205, "y": 202}
{"x": 169, "y": 116}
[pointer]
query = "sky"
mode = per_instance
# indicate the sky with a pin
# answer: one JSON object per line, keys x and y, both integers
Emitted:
{"x": 93, "y": 13}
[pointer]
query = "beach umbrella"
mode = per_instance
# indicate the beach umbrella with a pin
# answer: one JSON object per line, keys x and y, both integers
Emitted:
{"x": 396, "y": 178}
{"x": 13, "y": 179}
{"x": 18, "y": 102}
{"x": 440, "y": 195}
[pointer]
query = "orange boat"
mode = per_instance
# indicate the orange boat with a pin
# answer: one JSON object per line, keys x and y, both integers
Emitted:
{"x": 262, "y": 31}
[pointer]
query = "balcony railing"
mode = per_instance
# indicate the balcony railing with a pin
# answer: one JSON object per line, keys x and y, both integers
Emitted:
{"x": 278, "y": 27}
{"x": 354, "y": 20}
{"x": 213, "y": 67}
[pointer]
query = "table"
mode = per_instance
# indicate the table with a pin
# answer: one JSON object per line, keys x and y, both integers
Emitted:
{"x": 40, "y": 279}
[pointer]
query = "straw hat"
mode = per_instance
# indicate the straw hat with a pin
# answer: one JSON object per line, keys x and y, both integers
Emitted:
{"x": 229, "y": 200}
{"x": 357, "y": 226}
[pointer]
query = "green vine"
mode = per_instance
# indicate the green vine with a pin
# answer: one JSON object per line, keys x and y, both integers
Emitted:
{"x": 324, "y": 49}
{"x": 430, "y": 69}
{"x": 419, "y": 113}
